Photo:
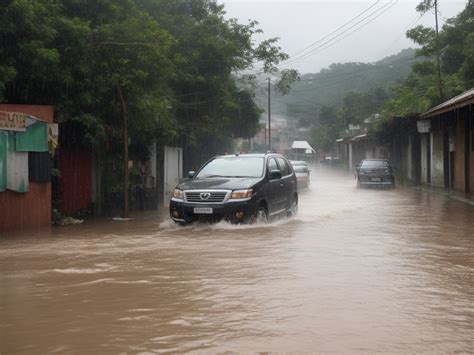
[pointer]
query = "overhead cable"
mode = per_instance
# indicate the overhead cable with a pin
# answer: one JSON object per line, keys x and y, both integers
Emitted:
{"x": 337, "y": 29}
{"x": 329, "y": 43}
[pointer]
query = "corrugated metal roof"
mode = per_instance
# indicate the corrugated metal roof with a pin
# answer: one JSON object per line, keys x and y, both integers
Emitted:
{"x": 461, "y": 100}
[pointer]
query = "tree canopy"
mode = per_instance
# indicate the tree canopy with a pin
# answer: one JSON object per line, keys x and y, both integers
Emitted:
{"x": 171, "y": 65}
{"x": 172, "y": 61}
{"x": 419, "y": 91}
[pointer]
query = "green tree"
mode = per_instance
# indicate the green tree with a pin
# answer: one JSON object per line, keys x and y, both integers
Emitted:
{"x": 419, "y": 91}
{"x": 162, "y": 69}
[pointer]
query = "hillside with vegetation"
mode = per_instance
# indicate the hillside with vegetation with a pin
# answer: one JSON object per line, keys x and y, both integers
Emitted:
{"x": 329, "y": 87}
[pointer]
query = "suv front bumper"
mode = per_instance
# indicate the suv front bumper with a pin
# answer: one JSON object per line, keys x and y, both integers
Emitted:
{"x": 239, "y": 211}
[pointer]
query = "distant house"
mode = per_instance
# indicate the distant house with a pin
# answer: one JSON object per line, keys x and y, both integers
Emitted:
{"x": 447, "y": 144}
{"x": 302, "y": 150}
{"x": 435, "y": 148}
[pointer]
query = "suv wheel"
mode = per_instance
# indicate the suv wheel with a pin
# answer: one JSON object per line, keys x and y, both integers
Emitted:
{"x": 293, "y": 210}
{"x": 261, "y": 215}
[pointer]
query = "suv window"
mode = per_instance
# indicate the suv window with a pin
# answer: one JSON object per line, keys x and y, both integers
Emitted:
{"x": 285, "y": 169}
{"x": 375, "y": 164}
{"x": 272, "y": 164}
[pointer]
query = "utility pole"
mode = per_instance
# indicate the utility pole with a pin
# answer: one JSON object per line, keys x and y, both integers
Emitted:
{"x": 269, "y": 120}
{"x": 440, "y": 82}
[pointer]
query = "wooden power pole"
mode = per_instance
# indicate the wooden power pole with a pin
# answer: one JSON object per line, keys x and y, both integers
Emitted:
{"x": 440, "y": 80}
{"x": 269, "y": 119}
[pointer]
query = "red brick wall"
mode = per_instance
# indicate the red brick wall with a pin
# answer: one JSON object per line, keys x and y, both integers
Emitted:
{"x": 26, "y": 211}
{"x": 30, "y": 210}
{"x": 75, "y": 181}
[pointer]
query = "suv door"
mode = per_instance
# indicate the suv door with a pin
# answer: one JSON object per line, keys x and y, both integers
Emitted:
{"x": 273, "y": 188}
{"x": 287, "y": 182}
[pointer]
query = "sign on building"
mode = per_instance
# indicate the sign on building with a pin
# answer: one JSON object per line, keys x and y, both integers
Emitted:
{"x": 423, "y": 126}
{"x": 13, "y": 121}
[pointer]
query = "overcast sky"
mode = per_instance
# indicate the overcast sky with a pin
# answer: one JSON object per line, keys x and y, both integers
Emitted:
{"x": 374, "y": 34}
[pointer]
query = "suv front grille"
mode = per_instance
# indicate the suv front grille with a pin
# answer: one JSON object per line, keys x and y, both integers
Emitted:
{"x": 206, "y": 196}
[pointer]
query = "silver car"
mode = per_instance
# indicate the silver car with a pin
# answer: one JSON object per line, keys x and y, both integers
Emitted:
{"x": 302, "y": 172}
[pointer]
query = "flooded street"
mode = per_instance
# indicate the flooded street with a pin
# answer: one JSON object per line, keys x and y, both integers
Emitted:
{"x": 358, "y": 270}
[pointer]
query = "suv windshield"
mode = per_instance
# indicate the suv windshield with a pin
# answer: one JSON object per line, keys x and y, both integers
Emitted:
{"x": 233, "y": 167}
{"x": 375, "y": 164}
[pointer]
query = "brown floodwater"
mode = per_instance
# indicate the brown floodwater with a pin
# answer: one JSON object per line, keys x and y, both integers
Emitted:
{"x": 356, "y": 271}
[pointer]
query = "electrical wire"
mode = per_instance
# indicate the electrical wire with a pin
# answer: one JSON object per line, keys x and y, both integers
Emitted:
{"x": 290, "y": 60}
{"x": 378, "y": 12}
{"x": 330, "y": 44}
{"x": 337, "y": 29}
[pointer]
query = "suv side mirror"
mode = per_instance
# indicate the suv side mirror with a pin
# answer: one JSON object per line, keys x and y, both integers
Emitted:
{"x": 275, "y": 174}
{"x": 191, "y": 174}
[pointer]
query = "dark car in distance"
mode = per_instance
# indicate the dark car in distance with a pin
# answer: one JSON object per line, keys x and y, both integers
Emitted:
{"x": 240, "y": 188}
{"x": 375, "y": 172}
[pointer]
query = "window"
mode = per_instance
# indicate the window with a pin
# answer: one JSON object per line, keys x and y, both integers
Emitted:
{"x": 272, "y": 164}
{"x": 284, "y": 168}
{"x": 375, "y": 164}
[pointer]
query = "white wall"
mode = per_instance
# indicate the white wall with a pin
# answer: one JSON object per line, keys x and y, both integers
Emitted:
{"x": 425, "y": 140}
{"x": 173, "y": 171}
{"x": 409, "y": 160}
{"x": 437, "y": 162}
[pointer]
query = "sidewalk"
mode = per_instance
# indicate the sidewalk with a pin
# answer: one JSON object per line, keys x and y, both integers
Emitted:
{"x": 453, "y": 195}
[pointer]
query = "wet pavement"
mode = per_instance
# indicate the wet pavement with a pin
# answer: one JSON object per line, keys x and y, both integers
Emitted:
{"x": 356, "y": 271}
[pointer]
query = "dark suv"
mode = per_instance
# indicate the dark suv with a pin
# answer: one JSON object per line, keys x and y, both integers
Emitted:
{"x": 375, "y": 172}
{"x": 239, "y": 188}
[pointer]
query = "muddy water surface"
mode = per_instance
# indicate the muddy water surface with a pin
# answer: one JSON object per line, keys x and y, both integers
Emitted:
{"x": 355, "y": 271}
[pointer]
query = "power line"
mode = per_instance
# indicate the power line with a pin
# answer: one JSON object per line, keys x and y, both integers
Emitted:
{"x": 378, "y": 12}
{"x": 259, "y": 70}
{"x": 337, "y": 29}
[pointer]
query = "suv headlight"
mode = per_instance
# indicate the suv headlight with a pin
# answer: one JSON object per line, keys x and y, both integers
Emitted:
{"x": 178, "y": 194}
{"x": 240, "y": 194}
